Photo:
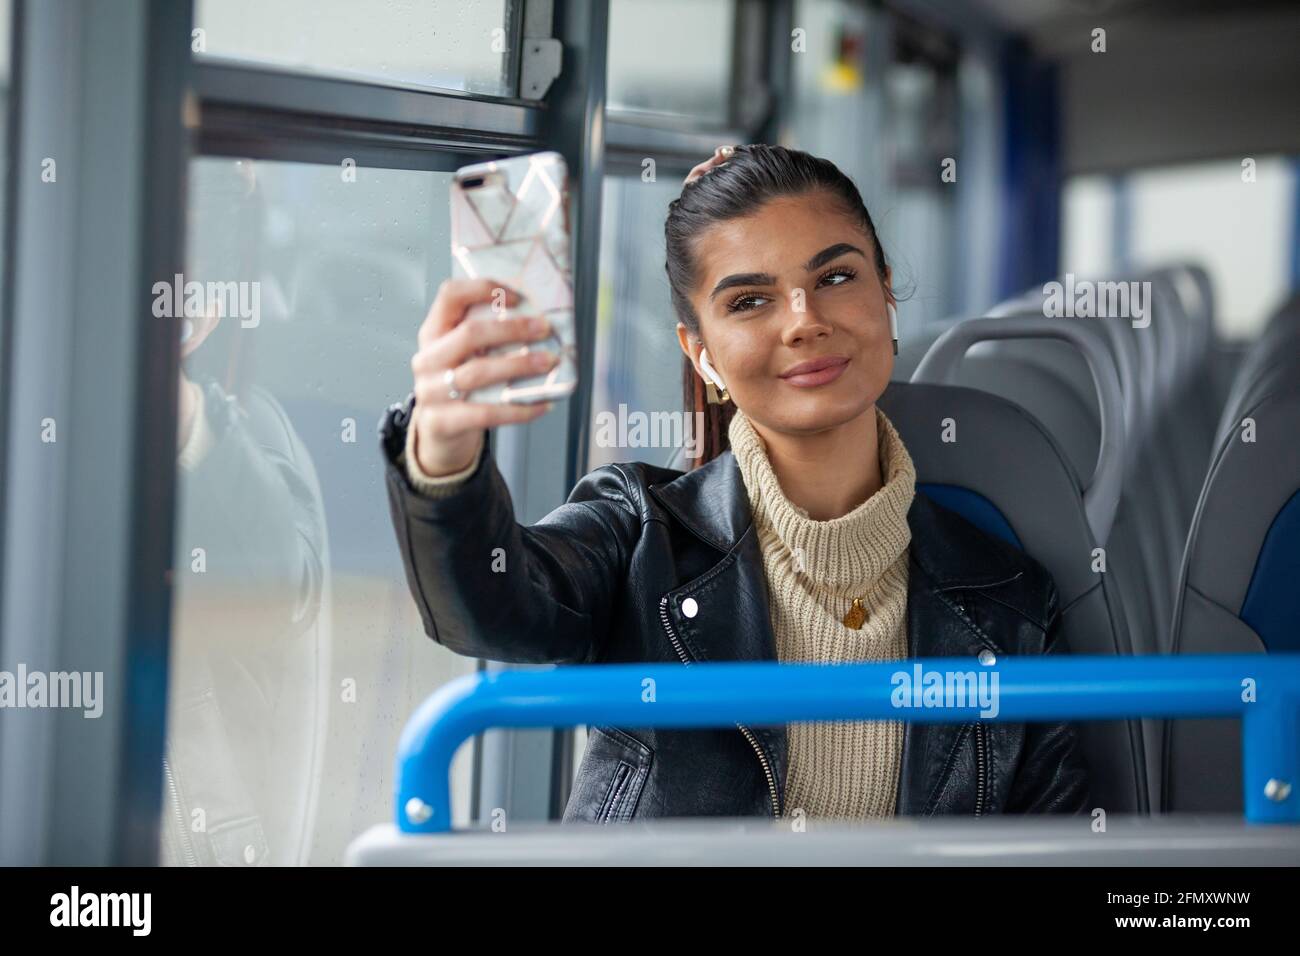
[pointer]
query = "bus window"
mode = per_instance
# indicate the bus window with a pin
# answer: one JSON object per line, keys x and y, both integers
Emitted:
{"x": 297, "y": 653}
{"x": 450, "y": 44}
{"x": 695, "y": 83}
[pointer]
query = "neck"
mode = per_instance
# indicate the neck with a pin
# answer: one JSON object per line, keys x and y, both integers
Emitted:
{"x": 829, "y": 473}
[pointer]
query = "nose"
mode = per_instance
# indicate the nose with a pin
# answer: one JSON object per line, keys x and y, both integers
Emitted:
{"x": 804, "y": 324}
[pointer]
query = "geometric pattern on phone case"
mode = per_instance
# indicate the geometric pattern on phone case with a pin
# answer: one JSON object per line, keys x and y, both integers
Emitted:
{"x": 512, "y": 229}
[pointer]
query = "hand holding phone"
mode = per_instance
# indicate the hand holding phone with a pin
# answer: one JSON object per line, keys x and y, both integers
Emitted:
{"x": 461, "y": 353}
{"x": 483, "y": 359}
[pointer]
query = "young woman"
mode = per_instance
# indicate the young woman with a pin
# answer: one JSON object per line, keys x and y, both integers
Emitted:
{"x": 798, "y": 536}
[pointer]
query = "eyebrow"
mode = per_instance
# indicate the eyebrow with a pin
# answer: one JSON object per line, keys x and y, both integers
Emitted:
{"x": 742, "y": 278}
{"x": 766, "y": 278}
{"x": 829, "y": 253}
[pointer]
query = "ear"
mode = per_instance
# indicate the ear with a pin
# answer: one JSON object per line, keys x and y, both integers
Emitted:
{"x": 889, "y": 286}
{"x": 691, "y": 346}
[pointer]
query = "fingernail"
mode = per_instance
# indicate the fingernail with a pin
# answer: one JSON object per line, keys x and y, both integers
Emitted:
{"x": 538, "y": 325}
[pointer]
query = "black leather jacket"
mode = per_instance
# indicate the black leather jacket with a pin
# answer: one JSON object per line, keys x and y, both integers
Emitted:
{"x": 602, "y": 579}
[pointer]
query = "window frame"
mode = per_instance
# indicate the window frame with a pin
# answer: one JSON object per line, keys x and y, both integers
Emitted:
{"x": 265, "y": 113}
{"x": 270, "y": 113}
{"x": 98, "y": 89}
{"x": 168, "y": 107}
{"x": 760, "y": 66}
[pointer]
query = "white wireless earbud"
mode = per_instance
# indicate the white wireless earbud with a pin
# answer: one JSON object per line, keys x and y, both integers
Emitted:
{"x": 893, "y": 324}
{"x": 709, "y": 371}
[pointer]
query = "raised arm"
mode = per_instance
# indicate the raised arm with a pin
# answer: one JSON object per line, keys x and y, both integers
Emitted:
{"x": 485, "y": 585}
{"x": 490, "y": 587}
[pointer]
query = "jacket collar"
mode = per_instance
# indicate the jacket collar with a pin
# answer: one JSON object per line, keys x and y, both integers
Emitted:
{"x": 711, "y": 502}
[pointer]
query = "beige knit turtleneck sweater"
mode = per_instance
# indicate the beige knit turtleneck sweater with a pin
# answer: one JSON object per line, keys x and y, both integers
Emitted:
{"x": 841, "y": 769}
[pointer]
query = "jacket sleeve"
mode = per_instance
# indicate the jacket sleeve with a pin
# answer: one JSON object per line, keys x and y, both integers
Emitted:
{"x": 1052, "y": 777}
{"x": 487, "y": 586}
{"x": 252, "y": 504}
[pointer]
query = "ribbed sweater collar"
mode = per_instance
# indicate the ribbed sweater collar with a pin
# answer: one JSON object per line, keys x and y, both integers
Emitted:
{"x": 846, "y": 555}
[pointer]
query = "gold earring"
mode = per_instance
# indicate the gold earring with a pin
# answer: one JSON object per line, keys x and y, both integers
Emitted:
{"x": 712, "y": 396}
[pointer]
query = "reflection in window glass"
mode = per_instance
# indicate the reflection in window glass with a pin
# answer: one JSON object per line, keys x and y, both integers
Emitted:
{"x": 671, "y": 56}
{"x": 637, "y": 361}
{"x": 451, "y": 44}
{"x": 297, "y": 652}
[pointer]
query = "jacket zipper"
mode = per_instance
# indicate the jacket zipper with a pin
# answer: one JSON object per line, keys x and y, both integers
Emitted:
{"x": 981, "y": 787}
{"x": 753, "y": 742}
{"x": 186, "y": 847}
{"x": 616, "y": 791}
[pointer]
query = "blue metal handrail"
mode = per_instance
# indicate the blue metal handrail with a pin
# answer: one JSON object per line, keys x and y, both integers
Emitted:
{"x": 1262, "y": 690}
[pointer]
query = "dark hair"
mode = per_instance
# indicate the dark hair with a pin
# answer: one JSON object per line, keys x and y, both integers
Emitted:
{"x": 754, "y": 175}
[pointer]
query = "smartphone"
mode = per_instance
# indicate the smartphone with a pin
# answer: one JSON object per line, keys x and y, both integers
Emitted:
{"x": 510, "y": 223}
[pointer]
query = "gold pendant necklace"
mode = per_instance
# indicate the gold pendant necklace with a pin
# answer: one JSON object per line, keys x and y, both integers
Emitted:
{"x": 856, "y": 616}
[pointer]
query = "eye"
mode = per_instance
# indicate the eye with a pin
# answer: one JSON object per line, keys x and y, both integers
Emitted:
{"x": 842, "y": 273}
{"x": 738, "y": 304}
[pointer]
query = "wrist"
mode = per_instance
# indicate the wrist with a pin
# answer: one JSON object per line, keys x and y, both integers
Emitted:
{"x": 440, "y": 469}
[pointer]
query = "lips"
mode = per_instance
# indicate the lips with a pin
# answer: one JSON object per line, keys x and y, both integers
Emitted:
{"x": 814, "y": 365}
{"x": 817, "y": 371}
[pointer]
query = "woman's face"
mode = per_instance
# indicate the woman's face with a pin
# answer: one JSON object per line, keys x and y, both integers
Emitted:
{"x": 791, "y": 284}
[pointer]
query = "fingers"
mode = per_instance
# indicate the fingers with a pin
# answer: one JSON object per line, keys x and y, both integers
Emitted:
{"x": 473, "y": 337}
{"x": 451, "y": 420}
{"x": 720, "y": 156}
{"x": 450, "y": 339}
{"x": 453, "y": 299}
{"x": 476, "y": 373}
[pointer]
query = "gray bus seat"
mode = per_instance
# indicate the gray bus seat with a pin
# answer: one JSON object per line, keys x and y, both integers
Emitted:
{"x": 1186, "y": 423}
{"x": 1170, "y": 448}
{"x": 1005, "y": 472}
{"x": 1237, "y": 590}
{"x": 1170, "y": 414}
{"x": 1052, "y": 379}
{"x": 913, "y": 345}
{"x": 1007, "y": 463}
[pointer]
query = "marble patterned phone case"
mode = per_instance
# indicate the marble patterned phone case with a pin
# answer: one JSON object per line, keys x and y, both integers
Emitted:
{"x": 509, "y": 222}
